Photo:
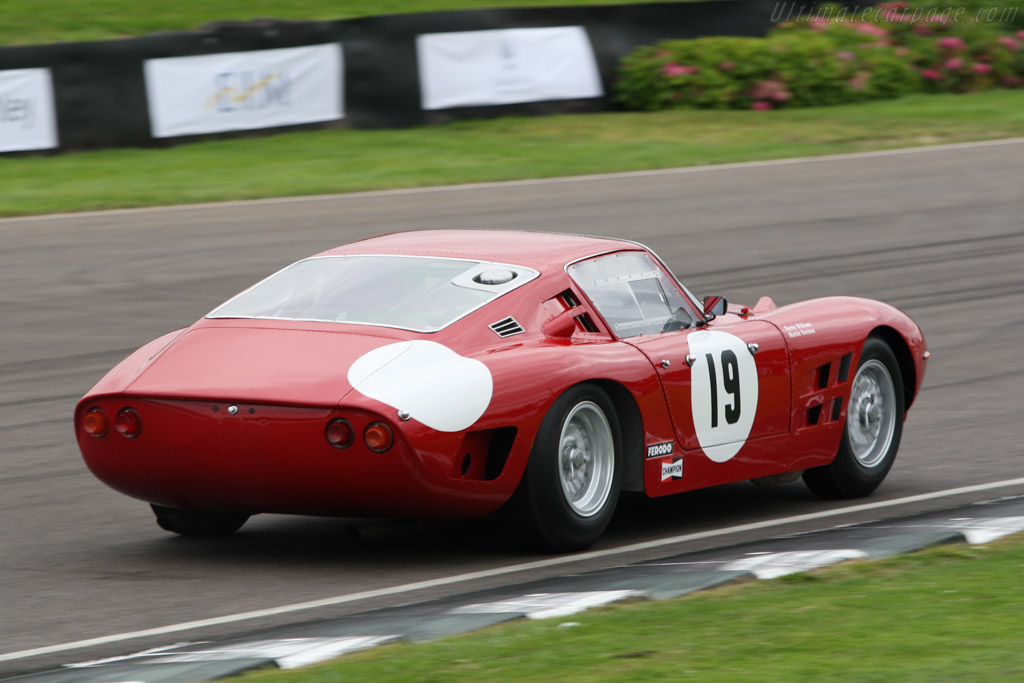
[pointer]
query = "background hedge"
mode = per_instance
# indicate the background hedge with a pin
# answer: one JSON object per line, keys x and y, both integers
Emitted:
{"x": 833, "y": 56}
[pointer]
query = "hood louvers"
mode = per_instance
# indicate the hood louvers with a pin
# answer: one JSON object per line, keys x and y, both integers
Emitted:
{"x": 506, "y": 327}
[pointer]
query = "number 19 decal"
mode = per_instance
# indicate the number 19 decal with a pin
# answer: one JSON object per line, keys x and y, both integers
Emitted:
{"x": 723, "y": 392}
{"x": 731, "y": 380}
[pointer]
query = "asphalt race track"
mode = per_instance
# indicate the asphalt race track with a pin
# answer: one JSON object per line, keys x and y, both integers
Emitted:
{"x": 939, "y": 233}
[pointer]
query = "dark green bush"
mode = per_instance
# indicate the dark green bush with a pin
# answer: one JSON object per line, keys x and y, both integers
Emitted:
{"x": 832, "y": 57}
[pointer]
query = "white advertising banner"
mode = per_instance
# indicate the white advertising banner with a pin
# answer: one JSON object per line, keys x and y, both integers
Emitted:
{"x": 506, "y": 66}
{"x": 244, "y": 90}
{"x": 28, "y": 119}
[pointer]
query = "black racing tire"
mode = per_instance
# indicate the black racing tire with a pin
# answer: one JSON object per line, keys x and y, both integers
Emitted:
{"x": 865, "y": 455}
{"x": 572, "y": 481}
{"x": 199, "y": 523}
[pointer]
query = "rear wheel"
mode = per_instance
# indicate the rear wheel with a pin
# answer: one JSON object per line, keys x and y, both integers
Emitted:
{"x": 199, "y": 522}
{"x": 572, "y": 481}
{"x": 874, "y": 425}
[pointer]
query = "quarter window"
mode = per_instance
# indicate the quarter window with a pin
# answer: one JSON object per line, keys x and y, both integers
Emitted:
{"x": 631, "y": 292}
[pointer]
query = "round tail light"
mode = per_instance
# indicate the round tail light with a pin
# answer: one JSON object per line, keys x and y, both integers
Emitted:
{"x": 339, "y": 433}
{"x": 95, "y": 423}
{"x": 378, "y": 437}
{"x": 128, "y": 423}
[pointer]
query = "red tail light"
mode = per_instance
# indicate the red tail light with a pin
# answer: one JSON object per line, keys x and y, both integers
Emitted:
{"x": 128, "y": 423}
{"x": 339, "y": 433}
{"x": 378, "y": 437}
{"x": 95, "y": 423}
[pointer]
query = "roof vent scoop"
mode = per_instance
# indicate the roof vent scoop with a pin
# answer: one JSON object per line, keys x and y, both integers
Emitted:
{"x": 506, "y": 327}
{"x": 497, "y": 276}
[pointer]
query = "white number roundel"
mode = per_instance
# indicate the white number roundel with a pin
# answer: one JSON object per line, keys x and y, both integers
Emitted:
{"x": 723, "y": 392}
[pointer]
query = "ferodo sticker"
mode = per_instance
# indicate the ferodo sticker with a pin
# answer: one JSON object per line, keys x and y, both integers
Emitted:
{"x": 672, "y": 470}
{"x": 657, "y": 450}
{"x": 723, "y": 392}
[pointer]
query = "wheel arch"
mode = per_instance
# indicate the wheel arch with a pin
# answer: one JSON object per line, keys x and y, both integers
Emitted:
{"x": 901, "y": 350}
{"x": 539, "y": 513}
{"x": 631, "y": 427}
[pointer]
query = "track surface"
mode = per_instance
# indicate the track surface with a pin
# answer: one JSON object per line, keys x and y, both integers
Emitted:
{"x": 938, "y": 233}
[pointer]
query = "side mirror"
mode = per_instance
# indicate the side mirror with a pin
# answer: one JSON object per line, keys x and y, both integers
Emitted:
{"x": 715, "y": 305}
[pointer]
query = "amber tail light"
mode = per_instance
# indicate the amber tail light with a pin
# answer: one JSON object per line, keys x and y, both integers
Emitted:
{"x": 378, "y": 437}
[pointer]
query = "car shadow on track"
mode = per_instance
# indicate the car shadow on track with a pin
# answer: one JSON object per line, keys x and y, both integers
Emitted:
{"x": 294, "y": 540}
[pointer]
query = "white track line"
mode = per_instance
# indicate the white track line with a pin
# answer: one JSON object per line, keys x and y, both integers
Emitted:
{"x": 532, "y": 181}
{"x": 500, "y": 571}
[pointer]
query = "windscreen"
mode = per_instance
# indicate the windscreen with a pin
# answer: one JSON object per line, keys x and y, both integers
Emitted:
{"x": 414, "y": 293}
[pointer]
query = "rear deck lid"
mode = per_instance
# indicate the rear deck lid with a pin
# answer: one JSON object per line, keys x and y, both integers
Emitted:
{"x": 257, "y": 364}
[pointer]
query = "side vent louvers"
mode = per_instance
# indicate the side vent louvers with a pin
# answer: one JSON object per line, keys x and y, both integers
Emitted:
{"x": 506, "y": 327}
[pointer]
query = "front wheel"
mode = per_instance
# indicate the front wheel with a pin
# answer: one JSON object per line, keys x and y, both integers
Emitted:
{"x": 572, "y": 481}
{"x": 207, "y": 523}
{"x": 874, "y": 425}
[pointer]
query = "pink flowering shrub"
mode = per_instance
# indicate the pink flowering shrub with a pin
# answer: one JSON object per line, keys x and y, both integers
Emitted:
{"x": 1009, "y": 42}
{"x": 943, "y": 43}
{"x": 951, "y": 44}
{"x": 831, "y": 57}
{"x": 758, "y": 73}
{"x": 673, "y": 69}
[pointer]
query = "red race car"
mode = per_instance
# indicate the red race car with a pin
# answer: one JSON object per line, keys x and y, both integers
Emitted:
{"x": 450, "y": 374}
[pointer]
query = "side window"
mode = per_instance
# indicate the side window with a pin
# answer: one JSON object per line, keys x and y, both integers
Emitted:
{"x": 631, "y": 292}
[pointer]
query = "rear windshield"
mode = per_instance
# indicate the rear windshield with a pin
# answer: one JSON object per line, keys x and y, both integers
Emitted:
{"x": 408, "y": 292}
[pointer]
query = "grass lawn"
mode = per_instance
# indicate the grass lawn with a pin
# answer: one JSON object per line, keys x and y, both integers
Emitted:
{"x": 344, "y": 160}
{"x": 952, "y": 613}
{"x": 24, "y": 22}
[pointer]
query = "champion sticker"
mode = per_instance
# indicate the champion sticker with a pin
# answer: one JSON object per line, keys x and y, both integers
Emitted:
{"x": 656, "y": 450}
{"x": 672, "y": 470}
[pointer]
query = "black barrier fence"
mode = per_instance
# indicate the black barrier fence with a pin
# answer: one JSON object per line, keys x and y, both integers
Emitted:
{"x": 100, "y": 89}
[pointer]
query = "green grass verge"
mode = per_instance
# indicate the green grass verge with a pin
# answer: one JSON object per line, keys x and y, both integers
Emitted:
{"x": 951, "y": 613}
{"x": 344, "y": 160}
{"x": 24, "y": 22}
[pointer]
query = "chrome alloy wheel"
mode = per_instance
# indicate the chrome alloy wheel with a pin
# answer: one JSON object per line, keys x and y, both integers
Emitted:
{"x": 586, "y": 458}
{"x": 871, "y": 419}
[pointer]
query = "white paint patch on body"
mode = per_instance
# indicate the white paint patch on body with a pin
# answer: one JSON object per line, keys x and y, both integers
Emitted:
{"x": 435, "y": 385}
{"x": 723, "y": 392}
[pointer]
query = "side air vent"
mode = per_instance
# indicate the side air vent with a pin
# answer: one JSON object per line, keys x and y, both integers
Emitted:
{"x": 506, "y": 327}
{"x": 837, "y": 407}
{"x": 586, "y": 323}
{"x": 844, "y": 367}
{"x": 823, "y": 373}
